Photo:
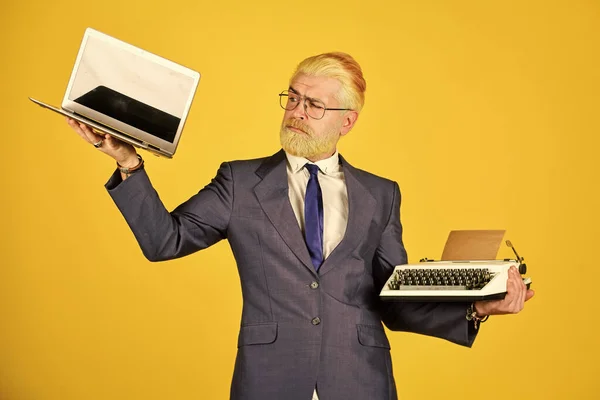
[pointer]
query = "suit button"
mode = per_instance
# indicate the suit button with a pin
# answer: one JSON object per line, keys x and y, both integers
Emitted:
{"x": 316, "y": 321}
{"x": 314, "y": 285}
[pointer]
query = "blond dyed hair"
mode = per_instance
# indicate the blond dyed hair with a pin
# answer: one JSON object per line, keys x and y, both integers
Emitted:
{"x": 345, "y": 69}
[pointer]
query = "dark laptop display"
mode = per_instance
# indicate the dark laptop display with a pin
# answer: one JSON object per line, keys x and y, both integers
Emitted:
{"x": 132, "y": 112}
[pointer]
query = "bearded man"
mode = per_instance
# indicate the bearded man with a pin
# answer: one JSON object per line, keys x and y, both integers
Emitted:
{"x": 314, "y": 239}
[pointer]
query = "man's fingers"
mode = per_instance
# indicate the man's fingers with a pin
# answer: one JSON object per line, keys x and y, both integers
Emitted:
{"x": 92, "y": 137}
{"x": 103, "y": 142}
{"x": 75, "y": 126}
{"x": 513, "y": 297}
{"x": 516, "y": 296}
{"x": 530, "y": 293}
{"x": 523, "y": 292}
{"x": 111, "y": 143}
{"x": 84, "y": 131}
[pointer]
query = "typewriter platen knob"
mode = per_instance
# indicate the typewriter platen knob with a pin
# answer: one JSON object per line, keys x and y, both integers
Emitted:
{"x": 522, "y": 268}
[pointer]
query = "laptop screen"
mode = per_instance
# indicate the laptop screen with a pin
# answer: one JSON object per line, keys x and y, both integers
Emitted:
{"x": 123, "y": 84}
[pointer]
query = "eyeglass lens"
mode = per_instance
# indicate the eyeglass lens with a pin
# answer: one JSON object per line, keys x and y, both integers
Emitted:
{"x": 313, "y": 107}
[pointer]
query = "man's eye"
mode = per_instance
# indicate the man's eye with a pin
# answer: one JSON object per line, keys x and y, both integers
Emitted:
{"x": 293, "y": 99}
{"x": 316, "y": 105}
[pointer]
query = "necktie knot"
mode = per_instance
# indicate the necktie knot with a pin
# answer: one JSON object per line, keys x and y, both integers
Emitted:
{"x": 313, "y": 170}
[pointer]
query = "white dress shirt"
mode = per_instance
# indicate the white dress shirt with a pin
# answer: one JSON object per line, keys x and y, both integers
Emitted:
{"x": 335, "y": 199}
{"x": 335, "y": 196}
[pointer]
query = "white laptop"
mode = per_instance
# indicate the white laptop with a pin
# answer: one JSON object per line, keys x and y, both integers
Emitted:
{"x": 129, "y": 93}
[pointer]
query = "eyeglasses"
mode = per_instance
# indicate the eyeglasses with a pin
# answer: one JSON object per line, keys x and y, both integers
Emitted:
{"x": 314, "y": 108}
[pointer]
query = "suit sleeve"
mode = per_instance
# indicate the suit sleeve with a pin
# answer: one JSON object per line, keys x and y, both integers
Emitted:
{"x": 162, "y": 235}
{"x": 442, "y": 320}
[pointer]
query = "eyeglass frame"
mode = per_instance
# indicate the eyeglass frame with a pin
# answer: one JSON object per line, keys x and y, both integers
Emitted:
{"x": 286, "y": 93}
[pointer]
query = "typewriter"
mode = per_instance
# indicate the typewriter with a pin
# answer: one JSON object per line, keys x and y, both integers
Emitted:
{"x": 452, "y": 280}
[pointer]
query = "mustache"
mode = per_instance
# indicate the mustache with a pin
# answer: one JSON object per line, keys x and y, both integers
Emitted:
{"x": 294, "y": 123}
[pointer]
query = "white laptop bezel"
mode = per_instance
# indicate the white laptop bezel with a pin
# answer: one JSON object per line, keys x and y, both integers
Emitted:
{"x": 117, "y": 125}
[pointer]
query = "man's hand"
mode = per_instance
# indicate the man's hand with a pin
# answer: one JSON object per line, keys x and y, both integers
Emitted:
{"x": 122, "y": 152}
{"x": 516, "y": 296}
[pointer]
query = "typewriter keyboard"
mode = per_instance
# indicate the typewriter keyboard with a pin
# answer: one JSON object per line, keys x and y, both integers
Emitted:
{"x": 440, "y": 279}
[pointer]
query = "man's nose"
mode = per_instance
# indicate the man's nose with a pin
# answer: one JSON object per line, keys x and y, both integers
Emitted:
{"x": 300, "y": 112}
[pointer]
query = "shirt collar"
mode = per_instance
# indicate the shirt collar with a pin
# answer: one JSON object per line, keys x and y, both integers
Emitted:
{"x": 327, "y": 166}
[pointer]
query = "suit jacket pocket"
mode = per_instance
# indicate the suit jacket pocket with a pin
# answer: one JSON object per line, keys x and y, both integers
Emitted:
{"x": 264, "y": 333}
{"x": 373, "y": 336}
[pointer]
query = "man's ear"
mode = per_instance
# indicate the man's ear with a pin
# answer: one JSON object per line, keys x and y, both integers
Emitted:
{"x": 350, "y": 118}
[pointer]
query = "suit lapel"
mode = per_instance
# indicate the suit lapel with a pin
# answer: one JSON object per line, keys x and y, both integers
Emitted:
{"x": 361, "y": 207}
{"x": 272, "y": 194}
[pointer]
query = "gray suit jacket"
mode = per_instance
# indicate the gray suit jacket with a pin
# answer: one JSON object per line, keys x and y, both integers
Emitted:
{"x": 299, "y": 329}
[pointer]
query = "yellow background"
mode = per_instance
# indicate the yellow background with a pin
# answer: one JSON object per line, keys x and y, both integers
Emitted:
{"x": 485, "y": 112}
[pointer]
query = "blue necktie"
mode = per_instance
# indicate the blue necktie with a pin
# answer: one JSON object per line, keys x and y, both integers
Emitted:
{"x": 313, "y": 217}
